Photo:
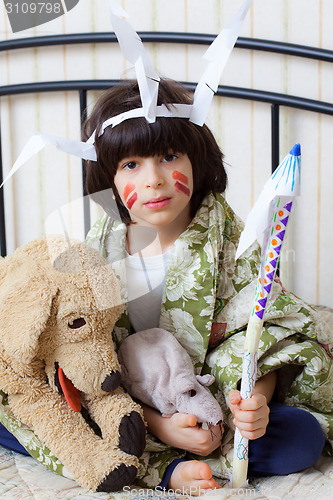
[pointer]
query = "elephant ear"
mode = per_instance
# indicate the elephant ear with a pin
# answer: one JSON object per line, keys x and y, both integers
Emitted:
{"x": 26, "y": 295}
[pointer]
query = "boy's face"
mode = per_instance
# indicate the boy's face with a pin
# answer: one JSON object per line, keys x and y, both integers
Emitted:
{"x": 156, "y": 190}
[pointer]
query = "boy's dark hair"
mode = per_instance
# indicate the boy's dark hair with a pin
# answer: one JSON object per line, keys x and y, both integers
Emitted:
{"x": 138, "y": 137}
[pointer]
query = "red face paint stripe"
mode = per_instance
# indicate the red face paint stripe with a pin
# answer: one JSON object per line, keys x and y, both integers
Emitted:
{"x": 128, "y": 189}
{"x": 178, "y": 176}
{"x": 132, "y": 200}
{"x": 181, "y": 188}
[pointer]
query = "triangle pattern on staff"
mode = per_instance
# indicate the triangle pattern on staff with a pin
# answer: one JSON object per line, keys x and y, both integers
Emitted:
{"x": 274, "y": 251}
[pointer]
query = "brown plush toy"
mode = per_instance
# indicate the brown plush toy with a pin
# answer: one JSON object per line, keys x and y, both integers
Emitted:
{"x": 59, "y": 301}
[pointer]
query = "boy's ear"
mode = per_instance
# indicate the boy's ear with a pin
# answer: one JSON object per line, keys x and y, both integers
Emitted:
{"x": 26, "y": 295}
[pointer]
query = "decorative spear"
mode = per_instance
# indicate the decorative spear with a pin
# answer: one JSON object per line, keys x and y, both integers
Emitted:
{"x": 270, "y": 216}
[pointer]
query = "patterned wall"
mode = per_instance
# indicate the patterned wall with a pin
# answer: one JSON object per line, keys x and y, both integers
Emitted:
{"x": 51, "y": 180}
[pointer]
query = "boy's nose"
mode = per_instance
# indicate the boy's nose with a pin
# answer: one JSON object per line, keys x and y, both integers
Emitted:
{"x": 154, "y": 175}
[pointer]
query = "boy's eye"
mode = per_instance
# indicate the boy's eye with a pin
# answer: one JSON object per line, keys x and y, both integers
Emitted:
{"x": 130, "y": 165}
{"x": 169, "y": 158}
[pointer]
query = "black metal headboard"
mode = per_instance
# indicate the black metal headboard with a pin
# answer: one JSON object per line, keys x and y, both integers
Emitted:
{"x": 276, "y": 100}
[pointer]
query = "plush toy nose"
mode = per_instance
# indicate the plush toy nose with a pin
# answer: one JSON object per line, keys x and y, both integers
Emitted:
{"x": 111, "y": 382}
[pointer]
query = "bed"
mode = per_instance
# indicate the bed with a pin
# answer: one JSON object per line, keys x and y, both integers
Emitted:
{"x": 23, "y": 477}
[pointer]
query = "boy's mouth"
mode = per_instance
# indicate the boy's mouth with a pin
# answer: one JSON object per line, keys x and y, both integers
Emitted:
{"x": 156, "y": 203}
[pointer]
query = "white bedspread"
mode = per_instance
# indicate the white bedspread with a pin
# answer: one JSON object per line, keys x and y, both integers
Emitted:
{"x": 23, "y": 477}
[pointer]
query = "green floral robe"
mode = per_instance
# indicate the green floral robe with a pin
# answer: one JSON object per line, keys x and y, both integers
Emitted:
{"x": 207, "y": 300}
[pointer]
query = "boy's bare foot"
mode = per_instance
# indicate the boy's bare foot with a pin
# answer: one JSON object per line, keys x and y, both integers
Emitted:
{"x": 192, "y": 478}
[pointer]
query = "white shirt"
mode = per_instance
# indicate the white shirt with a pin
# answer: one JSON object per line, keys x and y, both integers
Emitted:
{"x": 145, "y": 285}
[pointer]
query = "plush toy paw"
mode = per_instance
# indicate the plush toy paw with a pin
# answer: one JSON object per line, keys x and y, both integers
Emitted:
{"x": 111, "y": 382}
{"x": 118, "y": 478}
{"x": 132, "y": 434}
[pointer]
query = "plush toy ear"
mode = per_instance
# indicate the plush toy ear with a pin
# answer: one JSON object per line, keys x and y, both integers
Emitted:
{"x": 26, "y": 294}
{"x": 206, "y": 380}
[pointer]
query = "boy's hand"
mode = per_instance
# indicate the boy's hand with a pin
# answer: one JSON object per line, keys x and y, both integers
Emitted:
{"x": 251, "y": 415}
{"x": 182, "y": 431}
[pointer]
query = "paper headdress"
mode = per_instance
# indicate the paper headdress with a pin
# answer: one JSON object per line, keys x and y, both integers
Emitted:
{"x": 148, "y": 81}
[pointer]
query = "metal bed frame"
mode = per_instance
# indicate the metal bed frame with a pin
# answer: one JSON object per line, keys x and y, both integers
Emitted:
{"x": 276, "y": 100}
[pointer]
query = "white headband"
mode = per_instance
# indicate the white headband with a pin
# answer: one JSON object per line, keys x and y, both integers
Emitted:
{"x": 148, "y": 81}
{"x": 175, "y": 111}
